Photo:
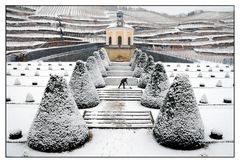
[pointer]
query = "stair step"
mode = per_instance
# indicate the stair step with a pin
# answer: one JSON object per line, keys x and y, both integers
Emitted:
{"x": 118, "y": 119}
{"x": 120, "y": 68}
{"x": 119, "y": 73}
{"x": 120, "y": 126}
{"x": 120, "y": 90}
{"x": 119, "y": 99}
{"x": 116, "y": 81}
{"x": 120, "y": 96}
{"x": 119, "y": 63}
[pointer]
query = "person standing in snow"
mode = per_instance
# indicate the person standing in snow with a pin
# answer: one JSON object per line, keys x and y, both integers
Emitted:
{"x": 123, "y": 81}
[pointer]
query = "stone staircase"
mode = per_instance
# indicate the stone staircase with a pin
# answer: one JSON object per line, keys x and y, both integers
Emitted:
{"x": 119, "y": 94}
{"x": 119, "y": 116}
{"x": 119, "y": 70}
{"x": 118, "y": 119}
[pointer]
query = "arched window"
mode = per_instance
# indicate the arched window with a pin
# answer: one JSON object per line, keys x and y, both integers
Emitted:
{"x": 129, "y": 40}
{"x": 119, "y": 40}
{"x": 110, "y": 41}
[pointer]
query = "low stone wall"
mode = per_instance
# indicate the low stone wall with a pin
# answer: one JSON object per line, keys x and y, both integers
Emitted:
{"x": 83, "y": 51}
{"x": 159, "y": 56}
{"x": 66, "y": 53}
{"x": 166, "y": 58}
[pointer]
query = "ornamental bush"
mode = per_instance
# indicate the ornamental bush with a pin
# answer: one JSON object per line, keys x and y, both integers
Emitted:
{"x": 94, "y": 72}
{"x": 58, "y": 125}
{"x": 156, "y": 88}
{"x": 83, "y": 89}
{"x": 146, "y": 74}
{"x": 142, "y": 61}
{"x": 179, "y": 124}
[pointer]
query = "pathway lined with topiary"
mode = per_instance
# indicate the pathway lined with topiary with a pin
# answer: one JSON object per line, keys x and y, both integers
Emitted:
{"x": 118, "y": 116}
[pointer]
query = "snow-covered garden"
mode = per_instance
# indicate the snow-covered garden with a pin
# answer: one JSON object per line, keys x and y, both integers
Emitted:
{"x": 168, "y": 109}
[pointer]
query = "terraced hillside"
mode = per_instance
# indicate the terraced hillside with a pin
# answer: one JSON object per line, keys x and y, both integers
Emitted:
{"x": 203, "y": 35}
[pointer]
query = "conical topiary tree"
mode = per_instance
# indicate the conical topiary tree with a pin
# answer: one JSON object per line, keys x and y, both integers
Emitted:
{"x": 204, "y": 99}
{"x": 8, "y": 73}
{"x": 227, "y": 75}
{"x": 37, "y": 73}
{"x": 106, "y": 55}
{"x": 58, "y": 125}
{"x": 94, "y": 72}
{"x": 179, "y": 124}
{"x": 17, "y": 82}
{"x": 104, "y": 59}
{"x": 84, "y": 91}
{"x": 100, "y": 63}
{"x": 29, "y": 98}
{"x": 142, "y": 61}
{"x": 219, "y": 83}
{"x": 133, "y": 56}
{"x": 172, "y": 74}
{"x": 146, "y": 74}
{"x": 66, "y": 73}
{"x": 26, "y": 68}
{"x": 200, "y": 75}
{"x": 135, "y": 59}
{"x": 156, "y": 89}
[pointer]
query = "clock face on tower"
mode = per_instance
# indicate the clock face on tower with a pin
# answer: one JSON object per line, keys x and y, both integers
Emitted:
{"x": 119, "y": 23}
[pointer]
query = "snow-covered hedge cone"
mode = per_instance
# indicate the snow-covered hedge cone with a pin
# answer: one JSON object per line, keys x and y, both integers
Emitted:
{"x": 17, "y": 82}
{"x": 156, "y": 88}
{"x": 29, "y": 98}
{"x": 84, "y": 91}
{"x": 106, "y": 55}
{"x": 58, "y": 125}
{"x": 8, "y": 73}
{"x": 50, "y": 67}
{"x": 135, "y": 59}
{"x": 66, "y": 73}
{"x": 146, "y": 74}
{"x": 37, "y": 73}
{"x": 142, "y": 61}
{"x": 104, "y": 60}
{"x": 133, "y": 56}
{"x": 26, "y": 68}
{"x": 204, "y": 99}
{"x": 219, "y": 83}
{"x": 40, "y": 63}
{"x": 179, "y": 124}
{"x": 100, "y": 63}
{"x": 227, "y": 75}
{"x": 94, "y": 72}
{"x": 172, "y": 74}
{"x": 200, "y": 75}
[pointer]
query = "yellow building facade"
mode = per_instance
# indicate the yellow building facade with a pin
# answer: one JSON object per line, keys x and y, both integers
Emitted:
{"x": 119, "y": 40}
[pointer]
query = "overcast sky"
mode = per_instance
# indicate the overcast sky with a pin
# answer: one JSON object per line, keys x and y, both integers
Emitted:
{"x": 175, "y": 10}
